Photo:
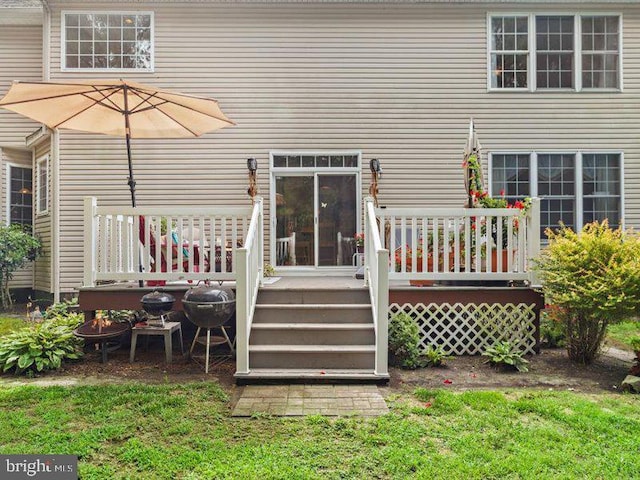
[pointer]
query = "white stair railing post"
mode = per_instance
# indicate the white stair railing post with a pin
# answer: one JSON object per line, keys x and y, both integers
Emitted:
{"x": 533, "y": 230}
{"x": 260, "y": 244}
{"x": 90, "y": 240}
{"x": 242, "y": 311}
{"x": 382, "y": 313}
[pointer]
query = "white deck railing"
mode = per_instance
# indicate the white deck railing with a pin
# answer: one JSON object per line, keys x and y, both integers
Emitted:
{"x": 377, "y": 279}
{"x": 460, "y": 243}
{"x": 162, "y": 243}
{"x": 249, "y": 279}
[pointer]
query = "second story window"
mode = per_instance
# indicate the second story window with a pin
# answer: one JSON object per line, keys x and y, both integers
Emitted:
{"x": 107, "y": 41}
{"x": 561, "y": 52}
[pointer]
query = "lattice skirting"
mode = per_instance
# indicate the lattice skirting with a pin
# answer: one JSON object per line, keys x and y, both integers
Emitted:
{"x": 468, "y": 328}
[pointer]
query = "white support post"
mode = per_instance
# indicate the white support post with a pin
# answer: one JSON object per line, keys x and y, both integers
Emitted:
{"x": 260, "y": 245}
{"x": 382, "y": 312}
{"x": 533, "y": 230}
{"x": 242, "y": 311}
{"x": 90, "y": 240}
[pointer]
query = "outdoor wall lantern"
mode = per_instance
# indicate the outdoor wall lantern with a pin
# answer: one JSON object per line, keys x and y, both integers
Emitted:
{"x": 252, "y": 165}
{"x": 374, "y": 164}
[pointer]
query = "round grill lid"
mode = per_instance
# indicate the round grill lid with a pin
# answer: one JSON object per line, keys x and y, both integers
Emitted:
{"x": 209, "y": 294}
{"x": 157, "y": 298}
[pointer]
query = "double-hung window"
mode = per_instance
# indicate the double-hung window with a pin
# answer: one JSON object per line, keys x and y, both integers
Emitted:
{"x": 554, "y": 52}
{"x": 575, "y": 188}
{"x": 20, "y": 195}
{"x": 108, "y": 41}
{"x": 42, "y": 185}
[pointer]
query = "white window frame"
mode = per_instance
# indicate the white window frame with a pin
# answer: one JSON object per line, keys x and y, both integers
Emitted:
{"x": 63, "y": 41}
{"x": 11, "y": 165}
{"x": 42, "y": 162}
{"x": 578, "y": 177}
{"x": 577, "y": 51}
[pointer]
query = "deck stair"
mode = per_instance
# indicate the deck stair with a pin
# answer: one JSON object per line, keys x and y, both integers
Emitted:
{"x": 303, "y": 333}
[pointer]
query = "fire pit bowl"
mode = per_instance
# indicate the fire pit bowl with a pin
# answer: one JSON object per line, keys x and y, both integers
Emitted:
{"x": 106, "y": 334}
{"x": 208, "y": 306}
{"x": 157, "y": 303}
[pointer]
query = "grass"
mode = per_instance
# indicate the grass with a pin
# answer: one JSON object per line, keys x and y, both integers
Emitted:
{"x": 11, "y": 324}
{"x": 619, "y": 334}
{"x": 184, "y": 431}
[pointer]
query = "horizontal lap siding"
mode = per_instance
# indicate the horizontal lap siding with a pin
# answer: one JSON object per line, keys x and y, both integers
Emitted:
{"x": 398, "y": 82}
{"x": 20, "y": 59}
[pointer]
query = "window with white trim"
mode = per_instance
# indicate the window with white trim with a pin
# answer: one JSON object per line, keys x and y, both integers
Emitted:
{"x": 575, "y": 188}
{"x": 42, "y": 185}
{"x": 543, "y": 52}
{"x": 107, "y": 41}
{"x": 20, "y": 191}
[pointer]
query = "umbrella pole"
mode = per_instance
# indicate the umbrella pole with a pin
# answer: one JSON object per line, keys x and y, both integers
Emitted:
{"x": 130, "y": 180}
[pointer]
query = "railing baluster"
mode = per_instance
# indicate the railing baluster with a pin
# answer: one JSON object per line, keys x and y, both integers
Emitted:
{"x": 436, "y": 244}
{"x": 223, "y": 246}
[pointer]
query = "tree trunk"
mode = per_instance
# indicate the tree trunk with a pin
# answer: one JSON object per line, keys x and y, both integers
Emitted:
{"x": 585, "y": 335}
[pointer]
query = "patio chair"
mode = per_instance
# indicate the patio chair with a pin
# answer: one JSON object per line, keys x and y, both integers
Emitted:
{"x": 162, "y": 261}
{"x": 286, "y": 250}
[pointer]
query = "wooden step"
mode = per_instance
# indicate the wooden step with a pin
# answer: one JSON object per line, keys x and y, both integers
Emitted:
{"x": 261, "y": 375}
{"x": 306, "y": 333}
{"x": 312, "y": 313}
{"x": 321, "y": 357}
{"x": 311, "y": 296}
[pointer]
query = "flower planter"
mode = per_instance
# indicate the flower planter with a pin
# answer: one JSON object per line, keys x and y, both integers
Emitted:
{"x": 421, "y": 283}
{"x": 494, "y": 261}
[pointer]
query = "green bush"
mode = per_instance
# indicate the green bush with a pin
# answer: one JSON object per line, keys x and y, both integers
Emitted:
{"x": 404, "y": 337}
{"x": 17, "y": 247}
{"x": 506, "y": 355}
{"x": 552, "y": 327}
{"x": 594, "y": 278}
{"x": 43, "y": 346}
{"x": 61, "y": 309}
{"x": 434, "y": 356}
{"x": 635, "y": 344}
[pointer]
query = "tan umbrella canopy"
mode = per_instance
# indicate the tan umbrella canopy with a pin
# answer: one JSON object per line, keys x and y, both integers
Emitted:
{"x": 116, "y": 107}
{"x": 473, "y": 179}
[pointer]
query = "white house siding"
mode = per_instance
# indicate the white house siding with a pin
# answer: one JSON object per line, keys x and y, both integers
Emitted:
{"x": 397, "y": 81}
{"x": 20, "y": 59}
{"x": 43, "y": 228}
{"x": 22, "y": 278}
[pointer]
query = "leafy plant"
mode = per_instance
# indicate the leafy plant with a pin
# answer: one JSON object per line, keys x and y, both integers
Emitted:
{"x": 552, "y": 327}
{"x": 61, "y": 309}
{"x": 17, "y": 247}
{"x": 594, "y": 277}
{"x": 41, "y": 347}
{"x": 403, "y": 341}
{"x": 434, "y": 356}
{"x": 635, "y": 344}
{"x": 268, "y": 270}
{"x": 505, "y": 354}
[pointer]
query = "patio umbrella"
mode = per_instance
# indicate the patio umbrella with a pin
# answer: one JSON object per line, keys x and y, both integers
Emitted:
{"x": 473, "y": 179}
{"x": 116, "y": 107}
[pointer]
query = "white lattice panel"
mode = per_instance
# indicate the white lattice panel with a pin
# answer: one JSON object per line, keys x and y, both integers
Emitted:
{"x": 468, "y": 328}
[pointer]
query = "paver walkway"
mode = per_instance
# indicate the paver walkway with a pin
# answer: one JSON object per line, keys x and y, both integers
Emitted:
{"x": 296, "y": 400}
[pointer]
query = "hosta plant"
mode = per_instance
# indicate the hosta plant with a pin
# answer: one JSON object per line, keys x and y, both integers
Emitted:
{"x": 506, "y": 355}
{"x": 41, "y": 347}
{"x": 434, "y": 356}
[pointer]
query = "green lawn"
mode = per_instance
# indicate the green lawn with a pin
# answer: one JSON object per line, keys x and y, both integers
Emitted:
{"x": 619, "y": 334}
{"x": 11, "y": 324}
{"x": 184, "y": 431}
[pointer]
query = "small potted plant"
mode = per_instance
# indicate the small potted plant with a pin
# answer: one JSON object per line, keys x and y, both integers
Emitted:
{"x": 359, "y": 238}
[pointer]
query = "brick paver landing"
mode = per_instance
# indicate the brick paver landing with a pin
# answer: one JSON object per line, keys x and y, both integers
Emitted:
{"x": 297, "y": 400}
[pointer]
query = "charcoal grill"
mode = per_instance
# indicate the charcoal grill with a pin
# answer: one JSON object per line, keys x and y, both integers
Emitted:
{"x": 209, "y": 307}
{"x": 158, "y": 305}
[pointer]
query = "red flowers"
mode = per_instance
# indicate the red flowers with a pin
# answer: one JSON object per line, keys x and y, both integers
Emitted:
{"x": 447, "y": 382}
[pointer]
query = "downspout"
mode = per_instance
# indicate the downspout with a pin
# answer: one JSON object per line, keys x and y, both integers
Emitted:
{"x": 55, "y": 160}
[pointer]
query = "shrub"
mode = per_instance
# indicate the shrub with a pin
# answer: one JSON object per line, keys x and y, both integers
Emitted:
{"x": 635, "y": 344}
{"x": 552, "y": 327}
{"x": 43, "y": 346}
{"x": 434, "y": 356}
{"x": 60, "y": 309}
{"x": 17, "y": 247}
{"x": 404, "y": 337}
{"x": 506, "y": 355}
{"x": 594, "y": 277}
